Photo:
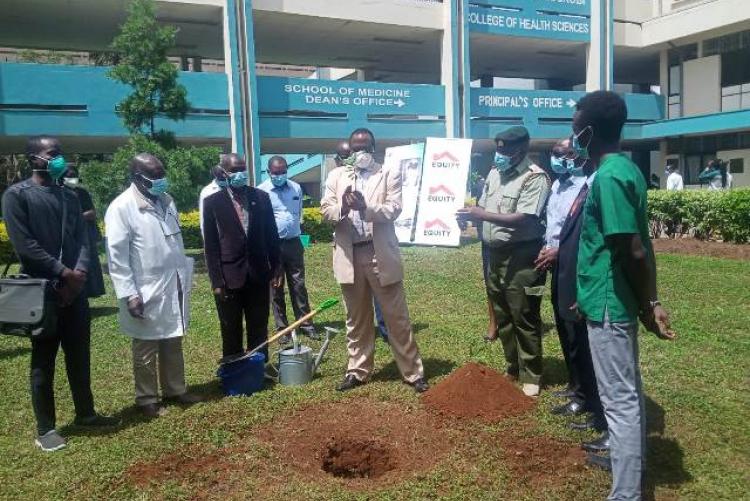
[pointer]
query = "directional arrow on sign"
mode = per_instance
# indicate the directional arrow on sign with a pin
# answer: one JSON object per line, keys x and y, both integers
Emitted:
{"x": 571, "y": 103}
{"x": 399, "y": 103}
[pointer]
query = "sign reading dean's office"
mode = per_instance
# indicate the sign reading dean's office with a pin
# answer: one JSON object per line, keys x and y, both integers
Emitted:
{"x": 556, "y": 19}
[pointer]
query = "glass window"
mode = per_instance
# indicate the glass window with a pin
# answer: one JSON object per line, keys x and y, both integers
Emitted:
{"x": 675, "y": 80}
{"x": 737, "y": 166}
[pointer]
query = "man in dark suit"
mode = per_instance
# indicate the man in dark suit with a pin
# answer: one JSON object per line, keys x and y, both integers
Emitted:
{"x": 572, "y": 325}
{"x": 242, "y": 249}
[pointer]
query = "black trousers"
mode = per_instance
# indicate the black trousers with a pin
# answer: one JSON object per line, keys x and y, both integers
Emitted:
{"x": 251, "y": 303}
{"x": 74, "y": 335}
{"x": 293, "y": 264}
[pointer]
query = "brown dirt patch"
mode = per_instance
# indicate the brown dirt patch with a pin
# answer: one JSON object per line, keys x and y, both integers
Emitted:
{"x": 542, "y": 461}
{"x": 477, "y": 392}
{"x": 204, "y": 472}
{"x": 695, "y": 247}
{"x": 360, "y": 443}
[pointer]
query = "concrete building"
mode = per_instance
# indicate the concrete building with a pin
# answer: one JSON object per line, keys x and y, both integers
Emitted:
{"x": 265, "y": 76}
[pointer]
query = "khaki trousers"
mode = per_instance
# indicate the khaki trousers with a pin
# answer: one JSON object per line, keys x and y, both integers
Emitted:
{"x": 162, "y": 357}
{"x": 360, "y": 333}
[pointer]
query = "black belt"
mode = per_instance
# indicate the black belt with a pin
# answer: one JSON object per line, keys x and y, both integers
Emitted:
{"x": 362, "y": 244}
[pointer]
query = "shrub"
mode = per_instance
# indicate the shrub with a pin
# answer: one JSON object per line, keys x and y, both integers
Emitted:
{"x": 188, "y": 170}
{"x": 191, "y": 230}
{"x": 314, "y": 225}
{"x": 704, "y": 214}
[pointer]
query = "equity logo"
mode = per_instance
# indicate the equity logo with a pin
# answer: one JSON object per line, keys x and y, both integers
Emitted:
{"x": 436, "y": 228}
{"x": 441, "y": 193}
{"x": 445, "y": 160}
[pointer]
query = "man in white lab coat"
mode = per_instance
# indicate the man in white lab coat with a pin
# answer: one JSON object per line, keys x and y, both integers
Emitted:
{"x": 674, "y": 179}
{"x": 152, "y": 279}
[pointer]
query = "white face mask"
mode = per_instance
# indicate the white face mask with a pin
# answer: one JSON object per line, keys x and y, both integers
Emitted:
{"x": 362, "y": 160}
{"x": 71, "y": 182}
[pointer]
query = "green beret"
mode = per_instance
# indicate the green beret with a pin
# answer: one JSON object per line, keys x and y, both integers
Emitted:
{"x": 515, "y": 136}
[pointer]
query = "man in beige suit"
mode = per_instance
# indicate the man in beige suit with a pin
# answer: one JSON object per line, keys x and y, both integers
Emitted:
{"x": 363, "y": 200}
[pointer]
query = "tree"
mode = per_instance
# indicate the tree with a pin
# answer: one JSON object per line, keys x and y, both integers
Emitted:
{"x": 142, "y": 46}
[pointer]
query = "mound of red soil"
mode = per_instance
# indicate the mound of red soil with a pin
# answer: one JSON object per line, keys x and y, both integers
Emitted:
{"x": 357, "y": 459}
{"x": 478, "y": 392}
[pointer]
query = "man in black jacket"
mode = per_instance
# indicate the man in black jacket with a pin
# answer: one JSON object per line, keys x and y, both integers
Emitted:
{"x": 48, "y": 233}
{"x": 242, "y": 255}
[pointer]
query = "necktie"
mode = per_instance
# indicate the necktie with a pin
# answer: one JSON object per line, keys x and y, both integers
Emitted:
{"x": 581, "y": 198}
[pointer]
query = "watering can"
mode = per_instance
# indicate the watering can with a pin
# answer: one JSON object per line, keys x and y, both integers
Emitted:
{"x": 298, "y": 365}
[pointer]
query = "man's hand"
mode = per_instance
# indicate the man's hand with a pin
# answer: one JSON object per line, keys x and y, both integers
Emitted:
{"x": 358, "y": 201}
{"x": 221, "y": 293}
{"x": 474, "y": 213}
{"x": 576, "y": 311}
{"x": 656, "y": 320}
{"x": 74, "y": 278}
{"x": 547, "y": 257}
{"x": 346, "y": 201}
{"x": 278, "y": 279}
{"x": 135, "y": 307}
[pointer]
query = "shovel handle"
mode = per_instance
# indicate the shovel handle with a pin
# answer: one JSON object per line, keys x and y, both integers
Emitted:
{"x": 289, "y": 329}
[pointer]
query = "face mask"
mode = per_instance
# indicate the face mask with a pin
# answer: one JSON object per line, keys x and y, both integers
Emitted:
{"x": 56, "y": 166}
{"x": 362, "y": 159}
{"x": 71, "y": 182}
{"x": 582, "y": 152}
{"x": 502, "y": 162}
{"x": 222, "y": 183}
{"x": 559, "y": 165}
{"x": 238, "y": 179}
{"x": 279, "y": 180}
{"x": 158, "y": 186}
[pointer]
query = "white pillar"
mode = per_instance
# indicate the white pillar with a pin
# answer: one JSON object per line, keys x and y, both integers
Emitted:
{"x": 599, "y": 63}
{"x": 449, "y": 69}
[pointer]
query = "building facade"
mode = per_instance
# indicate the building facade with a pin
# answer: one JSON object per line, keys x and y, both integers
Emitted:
{"x": 294, "y": 76}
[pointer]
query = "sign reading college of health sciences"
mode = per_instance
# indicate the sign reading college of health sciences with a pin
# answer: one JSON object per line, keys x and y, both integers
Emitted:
{"x": 557, "y": 19}
{"x": 408, "y": 160}
{"x": 445, "y": 172}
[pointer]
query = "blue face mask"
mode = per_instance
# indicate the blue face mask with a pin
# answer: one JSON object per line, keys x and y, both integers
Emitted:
{"x": 502, "y": 162}
{"x": 158, "y": 186}
{"x": 222, "y": 183}
{"x": 582, "y": 152}
{"x": 278, "y": 180}
{"x": 559, "y": 165}
{"x": 238, "y": 179}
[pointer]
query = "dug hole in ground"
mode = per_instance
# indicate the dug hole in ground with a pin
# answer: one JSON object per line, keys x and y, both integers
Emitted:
{"x": 365, "y": 444}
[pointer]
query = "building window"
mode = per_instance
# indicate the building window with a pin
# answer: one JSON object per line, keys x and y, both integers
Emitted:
{"x": 737, "y": 166}
{"x": 726, "y": 43}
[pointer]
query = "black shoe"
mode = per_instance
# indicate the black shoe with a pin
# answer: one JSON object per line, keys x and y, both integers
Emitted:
{"x": 97, "y": 420}
{"x": 601, "y": 462}
{"x": 589, "y": 424}
{"x": 572, "y": 408}
{"x": 566, "y": 393}
{"x": 153, "y": 411}
{"x": 601, "y": 444}
{"x": 349, "y": 383}
{"x": 420, "y": 385}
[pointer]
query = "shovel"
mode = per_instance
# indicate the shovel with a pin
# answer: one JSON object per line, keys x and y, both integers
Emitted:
{"x": 323, "y": 306}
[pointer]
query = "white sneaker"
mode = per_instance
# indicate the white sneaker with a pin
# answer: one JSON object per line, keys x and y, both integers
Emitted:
{"x": 50, "y": 441}
{"x": 530, "y": 390}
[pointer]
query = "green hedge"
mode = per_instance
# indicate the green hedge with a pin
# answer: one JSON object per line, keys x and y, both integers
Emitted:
{"x": 701, "y": 213}
{"x": 704, "y": 214}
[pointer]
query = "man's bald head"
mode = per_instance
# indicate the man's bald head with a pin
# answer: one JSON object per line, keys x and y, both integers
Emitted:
{"x": 147, "y": 165}
{"x": 232, "y": 162}
{"x": 343, "y": 151}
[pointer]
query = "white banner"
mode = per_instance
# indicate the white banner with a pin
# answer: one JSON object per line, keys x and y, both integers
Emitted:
{"x": 445, "y": 173}
{"x": 407, "y": 159}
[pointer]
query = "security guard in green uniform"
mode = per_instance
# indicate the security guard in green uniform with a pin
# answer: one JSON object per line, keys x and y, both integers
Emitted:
{"x": 511, "y": 209}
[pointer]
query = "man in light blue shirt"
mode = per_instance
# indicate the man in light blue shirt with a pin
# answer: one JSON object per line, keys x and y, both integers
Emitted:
{"x": 286, "y": 199}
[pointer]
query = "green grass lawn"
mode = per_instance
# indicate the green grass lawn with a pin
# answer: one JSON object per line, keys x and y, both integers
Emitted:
{"x": 696, "y": 388}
